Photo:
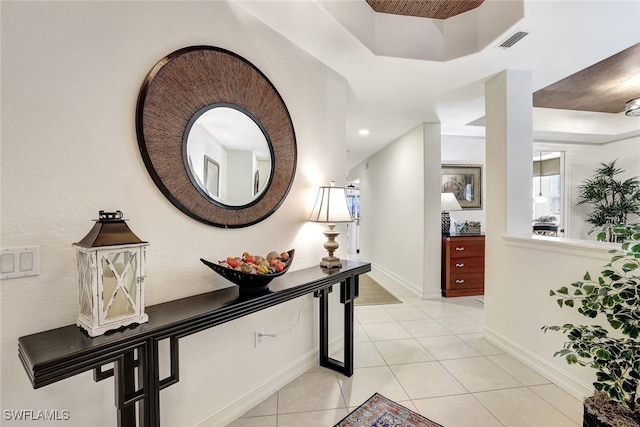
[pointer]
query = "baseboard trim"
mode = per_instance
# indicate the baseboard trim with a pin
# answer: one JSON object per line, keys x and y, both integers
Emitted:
{"x": 565, "y": 381}
{"x": 251, "y": 399}
{"x": 398, "y": 280}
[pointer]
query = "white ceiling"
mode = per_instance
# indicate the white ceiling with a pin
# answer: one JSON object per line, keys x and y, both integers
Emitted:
{"x": 402, "y": 71}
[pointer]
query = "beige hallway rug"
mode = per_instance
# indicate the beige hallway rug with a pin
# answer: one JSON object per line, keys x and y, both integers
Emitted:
{"x": 371, "y": 293}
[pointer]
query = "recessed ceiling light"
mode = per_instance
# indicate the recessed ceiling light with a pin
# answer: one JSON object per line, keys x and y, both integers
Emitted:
{"x": 363, "y": 132}
{"x": 632, "y": 108}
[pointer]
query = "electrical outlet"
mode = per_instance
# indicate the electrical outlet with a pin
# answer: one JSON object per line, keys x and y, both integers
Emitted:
{"x": 259, "y": 336}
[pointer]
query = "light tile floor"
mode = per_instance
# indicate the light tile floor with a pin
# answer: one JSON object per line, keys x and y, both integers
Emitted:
{"x": 430, "y": 356}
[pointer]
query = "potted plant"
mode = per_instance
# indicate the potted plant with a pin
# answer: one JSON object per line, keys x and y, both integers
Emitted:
{"x": 613, "y": 201}
{"x": 613, "y": 352}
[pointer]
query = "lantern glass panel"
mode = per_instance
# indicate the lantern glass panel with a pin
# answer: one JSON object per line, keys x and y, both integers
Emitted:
{"x": 119, "y": 283}
{"x": 84, "y": 270}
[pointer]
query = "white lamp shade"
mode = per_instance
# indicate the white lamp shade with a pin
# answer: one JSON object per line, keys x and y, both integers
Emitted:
{"x": 448, "y": 202}
{"x": 331, "y": 206}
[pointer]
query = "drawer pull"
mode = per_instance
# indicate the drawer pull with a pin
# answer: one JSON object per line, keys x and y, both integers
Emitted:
{"x": 459, "y": 265}
{"x": 459, "y": 281}
{"x": 459, "y": 248}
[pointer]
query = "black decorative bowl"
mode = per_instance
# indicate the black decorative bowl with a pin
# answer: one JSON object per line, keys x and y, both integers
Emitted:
{"x": 247, "y": 281}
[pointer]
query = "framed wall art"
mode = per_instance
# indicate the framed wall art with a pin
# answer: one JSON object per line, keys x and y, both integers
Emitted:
{"x": 465, "y": 182}
{"x": 212, "y": 176}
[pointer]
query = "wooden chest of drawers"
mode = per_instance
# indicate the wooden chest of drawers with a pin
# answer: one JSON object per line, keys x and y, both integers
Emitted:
{"x": 462, "y": 265}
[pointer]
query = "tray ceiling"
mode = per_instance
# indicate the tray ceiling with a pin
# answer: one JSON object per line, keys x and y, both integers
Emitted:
{"x": 604, "y": 87}
{"x": 434, "y": 9}
{"x": 402, "y": 72}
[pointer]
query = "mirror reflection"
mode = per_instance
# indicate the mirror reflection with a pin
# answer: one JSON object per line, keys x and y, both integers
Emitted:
{"x": 228, "y": 155}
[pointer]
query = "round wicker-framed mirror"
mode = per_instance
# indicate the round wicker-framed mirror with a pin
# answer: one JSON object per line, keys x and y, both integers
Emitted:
{"x": 177, "y": 89}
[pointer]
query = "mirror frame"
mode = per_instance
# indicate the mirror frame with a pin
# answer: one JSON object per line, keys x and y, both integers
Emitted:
{"x": 178, "y": 87}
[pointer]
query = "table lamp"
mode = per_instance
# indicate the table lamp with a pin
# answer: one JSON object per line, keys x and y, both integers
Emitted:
{"x": 331, "y": 207}
{"x": 448, "y": 202}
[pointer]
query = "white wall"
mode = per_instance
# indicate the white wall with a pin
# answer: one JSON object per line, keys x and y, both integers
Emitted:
{"x": 393, "y": 217}
{"x": 71, "y": 72}
{"x": 459, "y": 150}
{"x": 391, "y": 213}
{"x": 518, "y": 304}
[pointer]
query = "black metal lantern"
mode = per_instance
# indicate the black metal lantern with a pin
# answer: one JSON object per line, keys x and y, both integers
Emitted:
{"x": 111, "y": 273}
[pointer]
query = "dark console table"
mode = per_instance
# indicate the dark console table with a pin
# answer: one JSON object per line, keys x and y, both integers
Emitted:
{"x": 61, "y": 353}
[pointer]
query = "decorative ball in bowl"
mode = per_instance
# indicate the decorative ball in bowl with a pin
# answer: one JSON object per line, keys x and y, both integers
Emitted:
{"x": 252, "y": 272}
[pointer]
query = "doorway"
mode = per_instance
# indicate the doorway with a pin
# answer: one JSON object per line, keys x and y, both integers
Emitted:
{"x": 353, "y": 228}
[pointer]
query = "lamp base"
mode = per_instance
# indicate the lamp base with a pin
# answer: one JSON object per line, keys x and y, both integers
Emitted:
{"x": 331, "y": 262}
{"x": 446, "y": 223}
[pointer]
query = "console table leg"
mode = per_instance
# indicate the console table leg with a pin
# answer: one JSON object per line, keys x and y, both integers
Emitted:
{"x": 348, "y": 339}
{"x": 149, "y": 377}
{"x": 348, "y": 293}
{"x": 324, "y": 327}
{"x": 125, "y": 383}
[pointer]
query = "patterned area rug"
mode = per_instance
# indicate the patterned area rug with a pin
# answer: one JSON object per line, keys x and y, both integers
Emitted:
{"x": 371, "y": 293}
{"x": 378, "y": 411}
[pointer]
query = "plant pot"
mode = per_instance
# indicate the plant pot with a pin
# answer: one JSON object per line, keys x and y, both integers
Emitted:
{"x": 601, "y": 411}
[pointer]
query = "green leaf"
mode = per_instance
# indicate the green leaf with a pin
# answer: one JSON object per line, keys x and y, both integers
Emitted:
{"x": 602, "y": 353}
{"x": 563, "y": 290}
{"x": 569, "y": 303}
{"x": 587, "y": 276}
{"x": 590, "y": 313}
{"x": 572, "y": 359}
{"x": 629, "y": 386}
{"x": 575, "y": 334}
{"x": 615, "y": 324}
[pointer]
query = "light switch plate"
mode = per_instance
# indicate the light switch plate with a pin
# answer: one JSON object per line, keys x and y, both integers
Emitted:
{"x": 19, "y": 262}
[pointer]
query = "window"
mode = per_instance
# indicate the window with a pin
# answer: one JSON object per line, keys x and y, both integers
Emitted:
{"x": 547, "y": 181}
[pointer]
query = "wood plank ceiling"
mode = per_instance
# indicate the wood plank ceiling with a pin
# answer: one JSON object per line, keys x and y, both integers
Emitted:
{"x": 604, "y": 87}
{"x": 434, "y": 9}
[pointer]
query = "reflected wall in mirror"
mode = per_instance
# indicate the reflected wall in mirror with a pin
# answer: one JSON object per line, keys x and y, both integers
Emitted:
{"x": 182, "y": 94}
{"x": 226, "y": 152}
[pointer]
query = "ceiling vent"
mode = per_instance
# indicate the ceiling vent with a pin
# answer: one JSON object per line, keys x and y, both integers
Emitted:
{"x": 515, "y": 38}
